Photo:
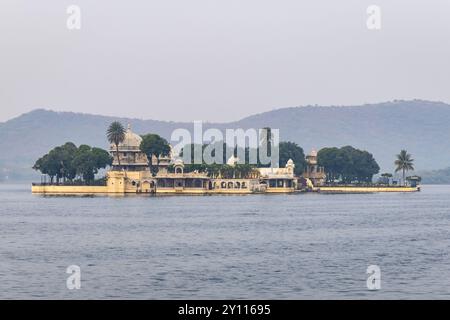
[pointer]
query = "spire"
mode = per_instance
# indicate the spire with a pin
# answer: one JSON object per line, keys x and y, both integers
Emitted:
{"x": 129, "y": 127}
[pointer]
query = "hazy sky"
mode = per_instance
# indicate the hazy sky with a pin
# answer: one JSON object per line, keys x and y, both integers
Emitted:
{"x": 218, "y": 60}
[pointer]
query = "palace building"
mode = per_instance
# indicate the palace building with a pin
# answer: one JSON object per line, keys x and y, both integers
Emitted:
{"x": 313, "y": 171}
{"x": 130, "y": 155}
{"x": 132, "y": 175}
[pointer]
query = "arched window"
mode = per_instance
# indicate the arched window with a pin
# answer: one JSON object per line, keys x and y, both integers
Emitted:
{"x": 178, "y": 170}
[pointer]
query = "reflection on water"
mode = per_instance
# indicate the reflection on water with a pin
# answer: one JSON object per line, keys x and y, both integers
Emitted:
{"x": 256, "y": 246}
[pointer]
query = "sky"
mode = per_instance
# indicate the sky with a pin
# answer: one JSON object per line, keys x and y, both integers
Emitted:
{"x": 217, "y": 60}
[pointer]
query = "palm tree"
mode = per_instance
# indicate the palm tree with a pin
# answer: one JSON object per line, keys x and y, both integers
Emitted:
{"x": 404, "y": 163}
{"x": 116, "y": 135}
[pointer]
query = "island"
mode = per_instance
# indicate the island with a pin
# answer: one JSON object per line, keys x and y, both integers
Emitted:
{"x": 129, "y": 171}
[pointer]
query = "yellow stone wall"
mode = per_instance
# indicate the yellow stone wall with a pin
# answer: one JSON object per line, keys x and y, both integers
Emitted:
{"x": 70, "y": 189}
{"x": 121, "y": 182}
{"x": 366, "y": 189}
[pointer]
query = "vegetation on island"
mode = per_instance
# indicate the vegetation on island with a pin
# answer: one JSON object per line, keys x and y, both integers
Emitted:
{"x": 404, "y": 163}
{"x": 239, "y": 170}
{"x": 287, "y": 150}
{"x": 385, "y": 178}
{"x": 68, "y": 163}
{"x": 347, "y": 165}
{"x": 291, "y": 150}
{"x": 154, "y": 146}
{"x": 116, "y": 135}
{"x": 39, "y": 131}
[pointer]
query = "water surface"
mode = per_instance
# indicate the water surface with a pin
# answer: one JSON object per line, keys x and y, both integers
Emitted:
{"x": 225, "y": 247}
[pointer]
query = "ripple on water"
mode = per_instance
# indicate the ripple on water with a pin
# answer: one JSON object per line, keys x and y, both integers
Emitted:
{"x": 298, "y": 246}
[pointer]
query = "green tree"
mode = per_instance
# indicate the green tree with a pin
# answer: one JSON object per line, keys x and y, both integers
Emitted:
{"x": 47, "y": 165}
{"x": 116, "y": 135}
{"x": 66, "y": 156}
{"x": 404, "y": 163}
{"x": 290, "y": 150}
{"x": 361, "y": 165}
{"x": 88, "y": 161}
{"x": 101, "y": 157}
{"x": 68, "y": 161}
{"x": 58, "y": 163}
{"x": 348, "y": 164}
{"x": 154, "y": 145}
{"x": 84, "y": 163}
{"x": 385, "y": 178}
{"x": 245, "y": 171}
{"x": 333, "y": 162}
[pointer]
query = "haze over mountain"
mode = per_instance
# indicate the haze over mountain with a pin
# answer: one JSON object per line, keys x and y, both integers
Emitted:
{"x": 421, "y": 127}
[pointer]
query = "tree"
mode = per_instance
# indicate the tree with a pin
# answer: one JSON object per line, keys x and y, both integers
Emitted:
{"x": 101, "y": 157}
{"x": 290, "y": 150}
{"x": 66, "y": 155}
{"x": 348, "y": 164}
{"x": 404, "y": 163}
{"x": 47, "y": 165}
{"x": 116, "y": 135}
{"x": 245, "y": 171}
{"x": 385, "y": 178}
{"x": 58, "y": 163}
{"x": 68, "y": 161}
{"x": 88, "y": 161}
{"x": 333, "y": 160}
{"x": 154, "y": 145}
{"x": 361, "y": 167}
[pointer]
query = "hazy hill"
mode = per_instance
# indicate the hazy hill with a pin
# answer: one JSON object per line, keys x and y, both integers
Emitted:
{"x": 422, "y": 127}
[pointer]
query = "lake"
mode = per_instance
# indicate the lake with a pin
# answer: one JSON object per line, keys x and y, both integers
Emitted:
{"x": 302, "y": 246}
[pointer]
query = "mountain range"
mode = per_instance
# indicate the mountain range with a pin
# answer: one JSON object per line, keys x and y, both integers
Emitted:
{"x": 420, "y": 127}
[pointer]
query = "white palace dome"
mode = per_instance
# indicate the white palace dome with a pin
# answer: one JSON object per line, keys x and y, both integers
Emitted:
{"x": 131, "y": 141}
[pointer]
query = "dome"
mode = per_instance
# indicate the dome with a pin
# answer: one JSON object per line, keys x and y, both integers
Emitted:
{"x": 313, "y": 153}
{"x": 232, "y": 161}
{"x": 132, "y": 140}
{"x": 289, "y": 162}
{"x": 178, "y": 162}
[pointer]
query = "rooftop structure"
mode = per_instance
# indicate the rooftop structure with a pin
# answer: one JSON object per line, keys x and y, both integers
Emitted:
{"x": 313, "y": 171}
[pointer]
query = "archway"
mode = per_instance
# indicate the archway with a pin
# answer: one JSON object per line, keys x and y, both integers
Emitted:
{"x": 178, "y": 170}
{"x": 146, "y": 186}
